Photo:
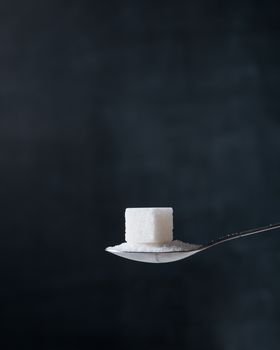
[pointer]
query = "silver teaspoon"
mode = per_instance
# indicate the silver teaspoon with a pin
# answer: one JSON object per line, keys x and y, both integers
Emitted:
{"x": 165, "y": 257}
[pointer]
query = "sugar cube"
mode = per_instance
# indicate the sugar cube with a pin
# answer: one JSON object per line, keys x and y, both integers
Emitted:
{"x": 148, "y": 225}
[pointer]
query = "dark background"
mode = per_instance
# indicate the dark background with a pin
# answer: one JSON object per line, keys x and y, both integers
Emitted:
{"x": 108, "y": 105}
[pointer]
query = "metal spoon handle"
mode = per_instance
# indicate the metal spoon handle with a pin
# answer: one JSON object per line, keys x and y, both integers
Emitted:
{"x": 242, "y": 234}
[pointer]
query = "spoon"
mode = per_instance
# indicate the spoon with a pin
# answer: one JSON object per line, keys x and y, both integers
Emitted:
{"x": 165, "y": 257}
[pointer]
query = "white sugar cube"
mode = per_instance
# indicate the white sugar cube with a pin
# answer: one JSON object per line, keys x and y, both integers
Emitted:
{"x": 148, "y": 225}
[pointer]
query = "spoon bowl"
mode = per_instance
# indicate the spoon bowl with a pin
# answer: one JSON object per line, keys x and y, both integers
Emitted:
{"x": 153, "y": 257}
{"x": 171, "y": 256}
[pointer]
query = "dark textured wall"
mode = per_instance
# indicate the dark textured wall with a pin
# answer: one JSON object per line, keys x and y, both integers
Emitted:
{"x": 108, "y": 105}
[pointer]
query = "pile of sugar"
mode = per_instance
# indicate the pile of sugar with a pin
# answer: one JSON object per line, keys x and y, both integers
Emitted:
{"x": 173, "y": 246}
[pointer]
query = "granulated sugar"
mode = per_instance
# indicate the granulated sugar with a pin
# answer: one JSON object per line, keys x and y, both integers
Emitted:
{"x": 173, "y": 246}
{"x": 150, "y": 230}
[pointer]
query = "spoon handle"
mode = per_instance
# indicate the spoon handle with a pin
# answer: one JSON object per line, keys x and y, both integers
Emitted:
{"x": 242, "y": 234}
